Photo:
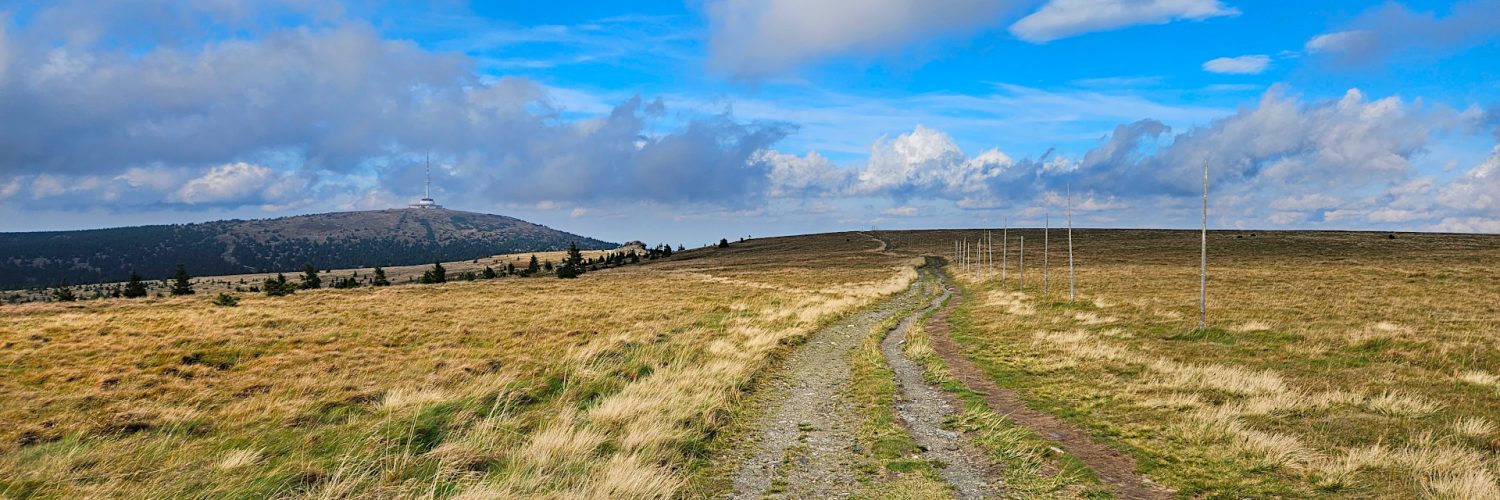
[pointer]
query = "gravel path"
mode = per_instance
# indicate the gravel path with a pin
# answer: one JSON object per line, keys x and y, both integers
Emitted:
{"x": 805, "y": 444}
{"x": 923, "y": 408}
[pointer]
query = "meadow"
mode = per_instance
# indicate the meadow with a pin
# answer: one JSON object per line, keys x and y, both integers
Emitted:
{"x": 614, "y": 384}
{"x": 1335, "y": 363}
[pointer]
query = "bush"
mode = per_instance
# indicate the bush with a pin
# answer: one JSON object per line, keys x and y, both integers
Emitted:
{"x": 226, "y": 300}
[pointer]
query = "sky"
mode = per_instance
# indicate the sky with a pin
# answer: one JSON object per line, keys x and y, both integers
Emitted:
{"x": 685, "y": 122}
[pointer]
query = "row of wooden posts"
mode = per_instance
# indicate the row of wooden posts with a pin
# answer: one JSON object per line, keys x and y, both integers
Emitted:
{"x": 980, "y": 256}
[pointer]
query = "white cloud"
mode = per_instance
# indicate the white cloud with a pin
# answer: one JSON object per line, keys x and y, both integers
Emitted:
{"x": 1340, "y": 41}
{"x": 1242, "y": 65}
{"x": 792, "y": 175}
{"x": 904, "y": 211}
{"x": 926, "y": 162}
{"x": 1476, "y": 191}
{"x": 238, "y": 182}
{"x": 1065, "y": 18}
{"x": 757, "y": 38}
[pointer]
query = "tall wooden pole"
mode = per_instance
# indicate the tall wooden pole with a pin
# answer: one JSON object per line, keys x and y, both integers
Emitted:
{"x": 989, "y": 272}
{"x": 1046, "y": 254}
{"x": 1004, "y": 252}
{"x": 1072, "y": 285}
{"x": 1203, "y": 258}
{"x": 1023, "y": 264}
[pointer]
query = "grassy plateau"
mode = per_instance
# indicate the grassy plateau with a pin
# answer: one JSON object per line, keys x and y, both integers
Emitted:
{"x": 610, "y": 385}
{"x": 1335, "y": 364}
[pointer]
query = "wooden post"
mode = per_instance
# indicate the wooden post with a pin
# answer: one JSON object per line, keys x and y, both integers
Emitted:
{"x": 1203, "y": 258}
{"x": 1004, "y": 252}
{"x": 1072, "y": 286}
{"x": 1046, "y": 254}
{"x": 1023, "y": 264}
{"x": 989, "y": 256}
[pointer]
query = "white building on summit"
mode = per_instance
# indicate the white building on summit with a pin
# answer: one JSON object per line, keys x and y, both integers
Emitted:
{"x": 426, "y": 201}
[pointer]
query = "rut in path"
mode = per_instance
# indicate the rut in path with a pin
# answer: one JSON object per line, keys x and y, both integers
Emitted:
{"x": 806, "y": 444}
{"x": 1113, "y": 467}
{"x": 923, "y": 408}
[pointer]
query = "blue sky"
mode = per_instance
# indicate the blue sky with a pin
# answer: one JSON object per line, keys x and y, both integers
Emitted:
{"x": 690, "y": 121}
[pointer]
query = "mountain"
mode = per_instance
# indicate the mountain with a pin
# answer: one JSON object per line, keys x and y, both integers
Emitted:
{"x": 327, "y": 241}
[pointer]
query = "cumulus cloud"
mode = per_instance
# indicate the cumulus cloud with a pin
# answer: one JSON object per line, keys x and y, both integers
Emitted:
{"x": 926, "y": 162}
{"x": 1393, "y": 29}
{"x": 1242, "y": 65}
{"x": 1476, "y": 191}
{"x": 754, "y": 38}
{"x": 1066, "y": 18}
{"x": 239, "y": 183}
{"x": 1282, "y": 140}
{"x": 792, "y": 175}
{"x": 346, "y": 104}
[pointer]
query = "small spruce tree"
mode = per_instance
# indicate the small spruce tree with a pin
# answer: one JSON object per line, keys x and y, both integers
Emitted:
{"x": 63, "y": 293}
{"x": 534, "y": 266}
{"x": 278, "y": 286}
{"x": 723, "y": 243}
{"x": 180, "y": 282}
{"x": 380, "y": 279}
{"x": 310, "y": 279}
{"x": 488, "y": 273}
{"x": 435, "y": 275}
{"x": 135, "y": 288}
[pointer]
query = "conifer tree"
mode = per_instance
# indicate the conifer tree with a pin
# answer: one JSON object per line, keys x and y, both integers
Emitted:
{"x": 534, "y": 266}
{"x": 180, "y": 283}
{"x": 63, "y": 293}
{"x": 488, "y": 273}
{"x": 310, "y": 279}
{"x": 380, "y": 279}
{"x": 278, "y": 286}
{"x": 435, "y": 275}
{"x": 135, "y": 288}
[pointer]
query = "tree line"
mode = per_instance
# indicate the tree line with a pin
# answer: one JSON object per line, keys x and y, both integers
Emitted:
{"x": 573, "y": 265}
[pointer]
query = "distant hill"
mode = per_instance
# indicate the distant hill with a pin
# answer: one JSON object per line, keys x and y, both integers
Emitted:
{"x": 332, "y": 240}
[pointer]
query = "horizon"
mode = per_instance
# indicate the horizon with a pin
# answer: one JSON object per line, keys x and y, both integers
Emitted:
{"x": 783, "y": 235}
{"x": 685, "y": 121}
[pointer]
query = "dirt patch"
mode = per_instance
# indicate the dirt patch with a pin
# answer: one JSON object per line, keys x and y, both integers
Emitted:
{"x": 1113, "y": 467}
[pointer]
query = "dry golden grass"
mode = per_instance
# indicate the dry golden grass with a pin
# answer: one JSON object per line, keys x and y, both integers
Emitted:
{"x": 1336, "y": 363}
{"x": 609, "y": 386}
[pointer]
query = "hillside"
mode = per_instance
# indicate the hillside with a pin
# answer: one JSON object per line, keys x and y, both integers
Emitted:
{"x": 332, "y": 240}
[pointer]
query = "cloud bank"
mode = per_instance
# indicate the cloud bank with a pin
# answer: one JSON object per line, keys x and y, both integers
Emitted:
{"x": 238, "y": 122}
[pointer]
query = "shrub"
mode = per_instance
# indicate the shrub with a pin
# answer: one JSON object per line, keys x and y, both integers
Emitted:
{"x": 224, "y": 299}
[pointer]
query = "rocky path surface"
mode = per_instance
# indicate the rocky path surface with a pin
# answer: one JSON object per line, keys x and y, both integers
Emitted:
{"x": 805, "y": 443}
{"x": 923, "y": 408}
